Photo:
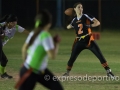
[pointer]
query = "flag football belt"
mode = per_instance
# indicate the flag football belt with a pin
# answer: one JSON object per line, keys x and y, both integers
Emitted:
{"x": 82, "y": 37}
{"x": 34, "y": 70}
{"x": 25, "y": 75}
{"x": 23, "y": 78}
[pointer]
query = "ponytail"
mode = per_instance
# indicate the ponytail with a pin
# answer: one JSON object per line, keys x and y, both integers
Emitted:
{"x": 36, "y": 32}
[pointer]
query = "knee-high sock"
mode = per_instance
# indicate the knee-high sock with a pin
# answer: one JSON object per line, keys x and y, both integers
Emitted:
{"x": 2, "y": 69}
{"x": 105, "y": 65}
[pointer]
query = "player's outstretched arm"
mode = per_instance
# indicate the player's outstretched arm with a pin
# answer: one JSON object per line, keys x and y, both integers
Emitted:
{"x": 24, "y": 51}
{"x": 26, "y": 32}
{"x": 69, "y": 26}
{"x": 53, "y": 52}
{"x": 95, "y": 23}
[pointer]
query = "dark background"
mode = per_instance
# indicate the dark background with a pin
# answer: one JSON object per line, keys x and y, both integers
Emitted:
{"x": 26, "y": 11}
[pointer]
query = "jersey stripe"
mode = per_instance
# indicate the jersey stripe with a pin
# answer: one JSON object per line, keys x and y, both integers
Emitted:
{"x": 91, "y": 19}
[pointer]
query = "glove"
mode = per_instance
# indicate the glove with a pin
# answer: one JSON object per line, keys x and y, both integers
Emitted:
{"x": 56, "y": 38}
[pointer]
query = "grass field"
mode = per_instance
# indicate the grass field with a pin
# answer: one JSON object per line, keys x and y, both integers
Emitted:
{"x": 86, "y": 63}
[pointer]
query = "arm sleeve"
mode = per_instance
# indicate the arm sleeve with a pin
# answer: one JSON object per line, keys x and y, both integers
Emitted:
{"x": 29, "y": 37}
{"x": 90, "y": 17}
{"x": 48, "y": 43}
{"x": 20, "y": 29}
{"x": 72, "y": 22}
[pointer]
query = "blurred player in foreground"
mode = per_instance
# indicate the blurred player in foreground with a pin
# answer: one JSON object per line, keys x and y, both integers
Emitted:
{"x": 39, "y": 46}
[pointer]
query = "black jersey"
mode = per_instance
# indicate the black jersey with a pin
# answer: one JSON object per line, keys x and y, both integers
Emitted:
{"x": 82, "y": 24}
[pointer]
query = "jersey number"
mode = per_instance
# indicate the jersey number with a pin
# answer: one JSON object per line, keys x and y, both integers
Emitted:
{"x": 80, "y": 31}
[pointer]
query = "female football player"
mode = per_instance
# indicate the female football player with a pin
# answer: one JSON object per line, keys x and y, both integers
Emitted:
{"x": 38, "y": 47}
{"x": 9, "y": 27}
{"x": 82, "y": 24}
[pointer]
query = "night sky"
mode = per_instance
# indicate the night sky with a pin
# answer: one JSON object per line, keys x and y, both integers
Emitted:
{"x": 26, "y": 10}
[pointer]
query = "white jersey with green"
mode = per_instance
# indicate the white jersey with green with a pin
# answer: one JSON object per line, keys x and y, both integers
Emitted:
{"x": 37, "y": 57}
{"x": 9, "y": 33}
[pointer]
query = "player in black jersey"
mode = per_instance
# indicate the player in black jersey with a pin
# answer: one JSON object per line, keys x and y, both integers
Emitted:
{"x": 84, "y": 39}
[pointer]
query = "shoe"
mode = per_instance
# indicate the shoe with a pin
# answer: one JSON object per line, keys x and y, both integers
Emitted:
{"x": 66, "y": 74}
{"x": 110, "y": 74}
{"x": 5, "y": 75}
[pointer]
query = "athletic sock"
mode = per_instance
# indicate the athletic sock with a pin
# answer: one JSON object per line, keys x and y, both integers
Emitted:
{"x": 105, "y": 65}
{"x": 69, "y": 68}
{"x": 2, "y": 69}
{"x": 68, "y": 71}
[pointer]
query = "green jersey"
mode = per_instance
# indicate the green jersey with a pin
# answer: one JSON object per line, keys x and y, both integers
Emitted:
{"x": 36, "y": 54}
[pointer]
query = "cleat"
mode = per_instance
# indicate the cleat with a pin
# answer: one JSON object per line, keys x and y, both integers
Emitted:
{"x": 66, "y": 74}
{"x": 110, "y": 74}
{"x": 5, "y": 75}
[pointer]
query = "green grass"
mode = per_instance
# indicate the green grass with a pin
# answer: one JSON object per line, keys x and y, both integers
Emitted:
{"x": 86, "y": 63}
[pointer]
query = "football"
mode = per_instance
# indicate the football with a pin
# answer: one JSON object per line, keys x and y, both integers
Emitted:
{"x": 69, "y": 12}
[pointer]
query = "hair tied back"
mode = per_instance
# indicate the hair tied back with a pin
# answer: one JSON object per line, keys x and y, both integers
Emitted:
{"x": 37, "y": 23}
